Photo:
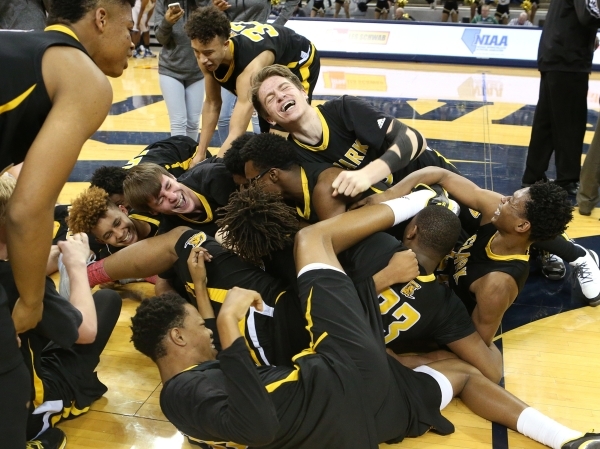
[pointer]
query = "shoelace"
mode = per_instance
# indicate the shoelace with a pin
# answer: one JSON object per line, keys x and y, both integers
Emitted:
{"x": 35, "y": 444}
{"x": 583, "y": 273}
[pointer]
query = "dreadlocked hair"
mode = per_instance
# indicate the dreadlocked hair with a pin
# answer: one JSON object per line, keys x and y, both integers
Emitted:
{"x": 255, "y": 223}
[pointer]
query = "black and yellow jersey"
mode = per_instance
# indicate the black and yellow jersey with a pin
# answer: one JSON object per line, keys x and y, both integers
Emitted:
{"x": 24, "y": 101}
{"x": 273, "y": 335}
{"x": 174, "y": 154}
{"x": 212, "y": 184}
{"x": 475, "y": 259}
{"x": 249, "y": 39}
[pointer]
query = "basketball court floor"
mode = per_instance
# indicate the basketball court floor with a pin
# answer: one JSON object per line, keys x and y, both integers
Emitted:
{"x": 478, "y": 117}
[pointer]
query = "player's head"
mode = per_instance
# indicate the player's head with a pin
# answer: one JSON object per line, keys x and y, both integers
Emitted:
{"x": 434, "y": 230}
{"x": 151, "y": 188}
{"x": 278, "y": 95}
{"x": 540, "y": 212}
{"x": 7, "y": 186}
{"x": 256, "y": 223}
{"x": 234, "y": 162}
{"x": 169, "y": 325}
{"x": 94, "y": 213}
{"x": 110, "y": 179}
{"x": 208, "y": 28}
{"x": 266, "y": 156}
{"x": 102, "y": 26}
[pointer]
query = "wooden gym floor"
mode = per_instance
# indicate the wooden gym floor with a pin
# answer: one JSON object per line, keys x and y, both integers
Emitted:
{"x": 480, "y": 118}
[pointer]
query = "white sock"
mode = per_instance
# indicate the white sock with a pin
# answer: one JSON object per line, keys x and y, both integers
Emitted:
{"x": 542, "y": 429}
{"x": 410, "y": 205}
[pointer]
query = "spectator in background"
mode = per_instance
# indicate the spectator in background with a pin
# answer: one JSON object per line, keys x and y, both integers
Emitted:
{"x": 140, "y": 35}
{"x": 484, "y": 17}
{"x": 180, "y": 78}
{"x": 247, "y": 11}
{"x": 588, "y": 196}
{"x": 522, "y": 20}
{"x": 564, "y": 61}
{"x": 450, "y": 10}
{"x": 23, "y": 14}
{"x": 502, "y": 11}
{"x": 401, "y": 15}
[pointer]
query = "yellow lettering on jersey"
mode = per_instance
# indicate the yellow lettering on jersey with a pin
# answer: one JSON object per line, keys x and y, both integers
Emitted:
{"x": 460, "y": 260}
{"x": 407, "y": 317}
{"x": 135, "y": 161}
{"x": 390, "y": 299}
{"x": 253, "y": 30}
{"x": 354, "y": 156}
{"x": 190, "y": 288}
{"x": 346, "y": 164}
{"x": 360, "y": 147}
{"x": 56, "y": 228}
{"x": 474, "y": 213}
{"x": 219, "y": 444}
{"x": 409, "y": 289}
{"x": 459, "y": 273}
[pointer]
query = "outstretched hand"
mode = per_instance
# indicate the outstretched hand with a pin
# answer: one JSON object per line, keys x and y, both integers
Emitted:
{"x": 238, "y": 301}
{"x": 221, "y": 4}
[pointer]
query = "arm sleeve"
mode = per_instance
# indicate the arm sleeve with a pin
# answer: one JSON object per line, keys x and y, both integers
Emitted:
{"x": 286, "y": 12}
{"x": 162, "y": 28}
{"x": 245, "y": 413}
{"x": 368, "y": 123}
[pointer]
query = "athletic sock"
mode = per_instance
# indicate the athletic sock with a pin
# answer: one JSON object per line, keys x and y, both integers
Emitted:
{"x": 96, "y": 274}
{"x": 410, "y": 205}
{"x": 543, "y": 429}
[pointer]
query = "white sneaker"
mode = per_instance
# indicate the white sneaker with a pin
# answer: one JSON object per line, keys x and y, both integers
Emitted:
{"x": 588, "y": 275}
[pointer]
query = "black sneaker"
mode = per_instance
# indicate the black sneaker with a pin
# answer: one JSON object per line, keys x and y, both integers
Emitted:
{"x": 53, "y": 438}
{"x": 588, "y": 441}
{"x": 439, "y": 197}
{"x": 553, "y": 266}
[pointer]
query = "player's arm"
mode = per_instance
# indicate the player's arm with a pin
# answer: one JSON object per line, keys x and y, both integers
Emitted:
{"x": 402, "y": 144}
{"x": 473, "y": 350}
{"x": 75, "y": 250}
{"x": 67, "y": 72}
{"x": 138, "y": 19}
{"x": 196, "y": 260}
{"x": 242, "y": 111}
{"x": 326, "y": 205}
{"x": 495, "y": 292}
{"x": 210, "y": 115}
{"x": 464, "y": 191}
{"x": 587, "y": 12}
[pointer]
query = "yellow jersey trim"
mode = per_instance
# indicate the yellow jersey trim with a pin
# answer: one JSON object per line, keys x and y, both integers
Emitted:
{"x": 279, "y": 296}
{"x": 137, "y": 217}
{"x": 305, "y": 68}
{"x": 208, "y": 210}
{"x": 231, "y": 65}
{"x": 325, "y": 142}
{"x": 38, "y": 385}
{"x": 426, "y": 278}
{"x": 62, "y": 29}
{"x": 217, "y": 294}
{"x": 492, "y": 256}
{"x": 306, "y": 193}
{"x": 15, "y": 102}
{"x": 292, "y": 377}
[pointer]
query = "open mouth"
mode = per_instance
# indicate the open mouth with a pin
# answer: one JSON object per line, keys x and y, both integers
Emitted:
{"x": 181, "y": 202}
{"x": 127, "y": 239}
{"x": 288, "y": 105}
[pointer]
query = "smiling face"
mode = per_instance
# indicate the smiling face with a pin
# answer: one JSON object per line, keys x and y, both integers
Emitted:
{"x": 173, "y": 198}
{"x": 115, "y": 46}
{"x": 511, "y": 210}
{"x": 116, "y": 228}
{"x": 197, "y": 335}
{"x": 211, "y": 55}
{"x": 283, "y": 102}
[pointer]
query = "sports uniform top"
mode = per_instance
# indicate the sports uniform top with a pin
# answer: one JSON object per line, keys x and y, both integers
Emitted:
{"x": 249, "y": 39}
{"x": 174, "y": 154}
{"x": 24, "y": 101}
{"x": 476, "y": 259}
{"x": 273, "y": 335}
{"x": 212, "y": 184}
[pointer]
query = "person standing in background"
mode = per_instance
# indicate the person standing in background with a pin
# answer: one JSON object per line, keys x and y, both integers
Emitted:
{"x": 565, "y": 62}
{"x": 587, "y": 195}
{"x": 247, "y": 11}
{"x": 23, "y": 14}
{"x": 180, "y": 78}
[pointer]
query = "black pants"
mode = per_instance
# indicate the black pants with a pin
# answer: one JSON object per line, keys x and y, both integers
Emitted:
{"x": 558, "y": 126}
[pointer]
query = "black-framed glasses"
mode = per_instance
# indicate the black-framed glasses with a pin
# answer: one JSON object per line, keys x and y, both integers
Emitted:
{"x": 260, "y": 175}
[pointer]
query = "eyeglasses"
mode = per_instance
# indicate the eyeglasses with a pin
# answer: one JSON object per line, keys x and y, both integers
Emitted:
{"x": 260, "y": 175}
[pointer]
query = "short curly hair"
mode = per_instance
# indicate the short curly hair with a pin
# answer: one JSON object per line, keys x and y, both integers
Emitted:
{"x": 548, "y": 210}
{"x": 269, "y": 151}
{"x": 207, "y": 23}
{"x": 232, "y": 158}
{"x": 87, "y": 209}
{"x": 109, "y": 178}
{"x": 257, "y": 223}
{"x": 439, "y": 229}
{"x": 152, "y": 321}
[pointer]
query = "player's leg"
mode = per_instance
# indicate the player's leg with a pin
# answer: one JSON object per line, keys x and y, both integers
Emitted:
{"x": 494, "y": 403}
{"x": 146, "y": 258}
{"x": 445, "y": 14}
{"x": 173, "y": 91}
{"x": 588, "y": 195}
{"x": 377, "y": 14}
{"x": 194, "y": 99}
{"x": 228, "y": 103}
{"x": 534, "y": 7}
{"x": 454, "y": 15}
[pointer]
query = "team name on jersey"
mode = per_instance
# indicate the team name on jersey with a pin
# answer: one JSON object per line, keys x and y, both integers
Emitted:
{"x": 354, "y": 156}
{"x": 405, "y": 316}
{"x": 461, "y": 258}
